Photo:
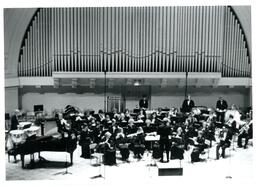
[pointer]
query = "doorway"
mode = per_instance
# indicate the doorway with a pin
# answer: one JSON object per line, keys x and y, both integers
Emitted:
{"x": 130, "y": 96}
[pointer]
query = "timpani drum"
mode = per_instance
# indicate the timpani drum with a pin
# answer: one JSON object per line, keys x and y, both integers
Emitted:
{"x": 17, "y": 136}
{"x": 33, "y": 130}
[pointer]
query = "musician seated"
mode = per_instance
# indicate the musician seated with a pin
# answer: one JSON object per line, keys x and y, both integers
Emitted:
{"x": 167, "y": 117}
{"x": 177, "y": 148}
{"x": 159, "y": 113}
{"x": 77, "y": 124}
{"x": 173, "y": 112}
{"x": 138, "y": 146}
{"x": 107, "y": 122}
{"x": 199, "y": 146}
{"x": 122, "y": 118}
{"x": 64, "y": 128}
{"x": 131, "y": 127}
{"x": 94, "y": 131}
{"x": 141, "y": 116}
{"x": 88, "y": 116}
{"x": 127, "y": 114}
{"x": 224, "y": 141}
{"x": 211, "y": 119}
{"x": 232, "y": 124}
{"x": 245, "y": 132}
{"x": 84, "y": 142}
{"x": 106, "y": 143}
{"x": 153, "y": 118}
{"x": 139, "y": 119}
{"x": 122, "y": 144}
{"x": 115, "y": 114}
{"x": 100, "y": 116}
{"x": 209, "y": 132}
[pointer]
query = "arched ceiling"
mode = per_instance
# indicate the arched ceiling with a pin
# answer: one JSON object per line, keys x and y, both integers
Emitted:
{"x": 16, "y": 21}
{"x": 244, "y": 15}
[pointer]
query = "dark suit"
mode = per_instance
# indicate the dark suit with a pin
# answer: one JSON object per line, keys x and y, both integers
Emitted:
{"x": 14, "y": 122}
{"x": 186, "y": 107}
{"x": 221, "y": 105}
{"x": 143, "y": 103}
{"x": 164, "y": 132}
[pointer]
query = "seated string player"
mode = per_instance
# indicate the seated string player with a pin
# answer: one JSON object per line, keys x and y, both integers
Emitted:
{"x": 208, "y": 132}
{"x": 224, "y": 141}
{"x": 122, "y": 144}
{"x": 159, "y": 113}
{"x": 127, "y": 114}
{"x": 139, "y": 143}
{"x": 177, "y": 148}
{"x": 106, "y": 142}
{"x": 141, "y": 116}
{"x": 101, "y": 116}
{"x": 115, "y": 114}
{"x": 199, "y": 146}
{"x": 153, "y": 118}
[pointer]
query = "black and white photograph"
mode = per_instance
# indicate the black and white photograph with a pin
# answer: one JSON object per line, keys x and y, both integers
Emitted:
{"x": 119, "y": 94}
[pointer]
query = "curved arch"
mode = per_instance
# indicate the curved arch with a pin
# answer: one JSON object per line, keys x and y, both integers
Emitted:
{"x": 15, "y": 24}
{"x": 243, "y": 32}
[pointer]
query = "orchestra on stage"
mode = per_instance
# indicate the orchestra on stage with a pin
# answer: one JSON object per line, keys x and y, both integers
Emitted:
{"x": 167, "y": 133}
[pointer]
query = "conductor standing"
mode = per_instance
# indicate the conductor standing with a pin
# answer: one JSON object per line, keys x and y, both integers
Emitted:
{"x": 164, "y": 131}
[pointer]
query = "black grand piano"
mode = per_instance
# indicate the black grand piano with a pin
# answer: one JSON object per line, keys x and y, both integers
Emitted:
{"x": 38, "y": 144}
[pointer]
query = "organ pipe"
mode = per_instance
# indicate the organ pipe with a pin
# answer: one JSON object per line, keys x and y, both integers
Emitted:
{"x": 135, "y": 39}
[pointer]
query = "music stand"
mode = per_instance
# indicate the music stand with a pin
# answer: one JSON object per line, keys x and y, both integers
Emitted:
{"x": 98, "y": 156}
{"x": 229, "y": 169}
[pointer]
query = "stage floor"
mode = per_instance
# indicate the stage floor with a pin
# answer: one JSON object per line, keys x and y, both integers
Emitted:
{"x": 238, "y": 164}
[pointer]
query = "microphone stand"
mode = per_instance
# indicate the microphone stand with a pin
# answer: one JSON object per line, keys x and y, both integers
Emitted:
{"x": 229, "y": 164}
{"x": 66, "y": 163}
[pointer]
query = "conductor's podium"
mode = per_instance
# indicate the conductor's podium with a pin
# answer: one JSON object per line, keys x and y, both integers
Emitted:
{"x": 172, "y": 168}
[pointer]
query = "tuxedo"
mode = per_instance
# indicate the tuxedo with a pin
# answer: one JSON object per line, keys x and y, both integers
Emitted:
{"x": 143, "y": 103}
{"x": 221, "y": 105}
{"x": 187, "y": 105}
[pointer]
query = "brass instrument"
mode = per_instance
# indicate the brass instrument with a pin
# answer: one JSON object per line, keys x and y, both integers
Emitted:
{"x": 244, "y": 128}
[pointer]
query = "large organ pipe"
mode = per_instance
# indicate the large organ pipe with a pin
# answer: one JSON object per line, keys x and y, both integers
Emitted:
{"x": 135, "y": 39}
